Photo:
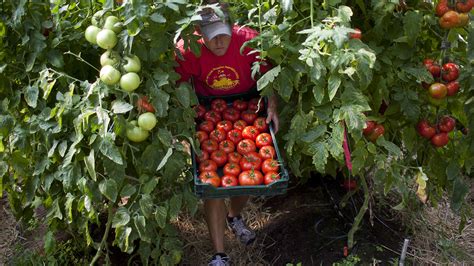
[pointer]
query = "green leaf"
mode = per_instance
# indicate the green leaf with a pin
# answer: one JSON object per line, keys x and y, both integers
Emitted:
{"x": 320, "y": 155}
{"x": 108, "y": 148}
{"x": 31, "y": 96}
{"x": 109, "y": 189}
{"x": 146, "y": 205}
{"x": 313, "y": 133}
{"x": 128, "y": 190}
{"x": 460, "y": 191}
{"x": 121, "y": 217}
{"x": 286, "y": 6}
{"x": 140, "y": 224}
{"x": 175, "y": 205}
{"x": 390, "y": 147}
{"x": 161, "y": 216}
{"x": 158, "y": 18}
{"x": 412, "y": 23}
{"x": 150, "y": 185}
{"x": 120, "y": 107}
{"x": 122, "y": 238}
{"x": 160, "y": 102}
{"x": 333, "y": 85}
{"x": 334, "y": 143}
{"x": 183, "y": 94}
{"x": 49, "y": 242}
{"x": 165, "y": 159}
{"x": 453, "y": 172}
{"x": 90, "y": 165}
{"x": 268, "y": 78}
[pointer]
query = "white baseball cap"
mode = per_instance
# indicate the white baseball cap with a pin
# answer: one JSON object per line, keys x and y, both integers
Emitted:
{"x": 212, "y": 25}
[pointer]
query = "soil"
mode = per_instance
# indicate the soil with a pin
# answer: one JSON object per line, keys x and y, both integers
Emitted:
{"x": 313, "y": 230}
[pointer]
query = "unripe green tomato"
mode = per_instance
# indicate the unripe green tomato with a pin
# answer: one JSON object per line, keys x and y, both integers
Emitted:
{"x": 133, "y": 64}
{"x": 147, "y": 121}
{"x": 106, "y": 39}
{"x": 129, "y": 82}
{"x": 135, "y": 133}
{"x": 113, "y": 23}
{"x": 109, "y": 75}
{"x": 91, "y": 34}
{"x": 110, "y": 58}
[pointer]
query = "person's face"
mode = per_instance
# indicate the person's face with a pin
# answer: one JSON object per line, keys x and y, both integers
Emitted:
{"x": 218, "y": 45}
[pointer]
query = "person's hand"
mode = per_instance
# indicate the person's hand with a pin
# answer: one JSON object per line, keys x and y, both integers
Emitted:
{"x": 272, "y": 114}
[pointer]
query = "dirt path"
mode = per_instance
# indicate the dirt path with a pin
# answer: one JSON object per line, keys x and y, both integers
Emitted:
{"x": 8, "y": 232}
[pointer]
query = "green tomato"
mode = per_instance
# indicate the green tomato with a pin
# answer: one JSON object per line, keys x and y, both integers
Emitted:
{"x": 106, "y": 39}
{"x": 133, "y": 63}
{"x": 109, "y": 75}
{"x": 110, "y": 58}
{"x": 95, "y": 20}
{"x": 113, "y": 23}
{"x": 147, "y": 121}
{"x": 91, "y": 34}
{"x": 129, "y": 82}
{"x": 135, "y": 133}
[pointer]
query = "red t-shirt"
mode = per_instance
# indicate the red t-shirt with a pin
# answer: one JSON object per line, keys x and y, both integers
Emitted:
{"x": 221, "y": 75}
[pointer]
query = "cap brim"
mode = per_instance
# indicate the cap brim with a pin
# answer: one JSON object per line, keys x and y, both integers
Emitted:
{"x": 217, "y": 28}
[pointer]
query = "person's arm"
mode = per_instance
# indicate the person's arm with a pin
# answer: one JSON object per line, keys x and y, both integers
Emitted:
{"x": 272, "y": 113}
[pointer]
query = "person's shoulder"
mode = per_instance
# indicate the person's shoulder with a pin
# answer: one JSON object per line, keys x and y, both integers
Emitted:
{"x": 244, "y": 33}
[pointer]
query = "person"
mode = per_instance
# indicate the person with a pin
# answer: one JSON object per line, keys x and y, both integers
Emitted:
{"x": 221, "y": 69}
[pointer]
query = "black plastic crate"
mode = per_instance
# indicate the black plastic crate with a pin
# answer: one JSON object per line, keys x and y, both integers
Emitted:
{"x": 204, "y": 190}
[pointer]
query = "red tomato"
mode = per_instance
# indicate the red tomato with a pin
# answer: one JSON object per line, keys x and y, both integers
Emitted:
{"x": 250, "y": 132}
{"x": 207, "y": 165}
{"x": 218, "y": 105}
{"x": 207, "y": 174}
{"x": 206, "y": 126}
{"x": 256, "y": 104}
{"x": 464, "y": 6}
{"x": 217, "y": 135}
{"x": 227, "y": 146}
{"x": 213, "y": 116}
{"x": 226, "y": 125}
{"x": 446, "y": 124}
{"x": 450, "y": 71}
{"x": 452, "y": 88}
{"x": 271, "y": 177}
{"x": 240, "y": 105}
{"x": 234, "y": 135}
{"x": 202, "y": 157}
{"x": 250, "y": 178}
{"x": 200, "y": 111}
{"x": 231, "y": 169}
{"x": 379, "y": 130}
{"x": 369, "y": 127}
{"x": 267, "y": 152}
{"x": 143, "y": 105}
{"x": 201, "y": 136}
{"x": 356, "y": 35}
{"x": 240, "y": 124}
{"x": 438, "y": 90}
{"x": 261, "y": 124}
{"x": 234, "y": 157}
{"x": 231, "y": 114}
{"x": 220, "y": 157}
{"x": 349, "y": 184}
{"x": 442, "y": 7}
{"x": 425, "y": 129}
{"x": 251, "y": 161}
{"x": 209, "y": 145}
{"x": 229, "y": 181}
{"x": 270, "y": 165}
{"x": 214, "y": 181}
{"x": 434, "y": 69}
{"x": 249, "y": 116}
{"x": 440, "y": 139}
{"x": 263, "y": 139}
{"x": 245, "y": 146}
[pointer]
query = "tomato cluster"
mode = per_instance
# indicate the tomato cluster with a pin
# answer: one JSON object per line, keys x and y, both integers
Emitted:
{"x": 454, "y": 16}
{"x": 438, "y": 134}
{"x": 372, "y": 130}
{"x": 235, "y": 141}
{"x": 115, "y": 70}
{"x": 446, "y": 83}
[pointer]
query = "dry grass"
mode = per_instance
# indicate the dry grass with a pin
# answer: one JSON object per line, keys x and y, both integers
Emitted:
{"x": 437, "y": 240}
{"x": 198, "y": 248}
{"x": 8, "y": 232}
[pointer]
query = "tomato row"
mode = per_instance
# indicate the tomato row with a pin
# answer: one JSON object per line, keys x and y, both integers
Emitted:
{"x": 438, "y": 135}
{"x": 236, "y": 142}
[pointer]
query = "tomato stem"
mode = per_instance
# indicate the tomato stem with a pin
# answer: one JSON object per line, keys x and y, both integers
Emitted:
{"x": 106, "y": 234}
{"x": 360, "y": 215}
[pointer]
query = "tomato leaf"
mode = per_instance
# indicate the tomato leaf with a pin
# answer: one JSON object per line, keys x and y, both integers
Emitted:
{"x": 333, "y": 85}
{"x": 165, "y": 159}
{"x": 161, "y": 214}
{"x": 459, "y": 193}
{"x": 320, "y": 155}
{"x": 128, "y": 190}
{"x": 158, "y": 18}
{"x": 140, "y": 223}
{"x": 120, "y": 107}
{"x": 109, "y": 189}
{"x": 268, "y": 77}
{"x": 412, "y": 23}
{"x": 111, "y": 151}
{"x": 146, "y": 205}
{"x": 31, "y": 96}
{"x": 122, "y": 238}
{"x": 121, "y": 217}
{"x": 90, "y": 165}
{"x": 175, "y": 205}
{"x": 286, "y": 6}
{"x": 390, "y": 147}
{"x": 183, "y": 94}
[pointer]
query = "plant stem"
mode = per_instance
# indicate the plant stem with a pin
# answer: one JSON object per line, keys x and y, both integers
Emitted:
{"x": 311, "y": 12}
{"x": 360, "y": 215}
{"x": 106, "y": 234}
{"x": 82, "y": 60}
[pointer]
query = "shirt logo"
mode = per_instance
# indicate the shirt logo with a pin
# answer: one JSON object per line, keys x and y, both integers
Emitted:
{"x": 222, "y": 78}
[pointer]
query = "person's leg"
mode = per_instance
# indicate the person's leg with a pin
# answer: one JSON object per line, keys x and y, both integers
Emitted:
{"x": 215, "y": 212}
{"x": 237, "y": 204}
{"x": 236, "y": 223}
